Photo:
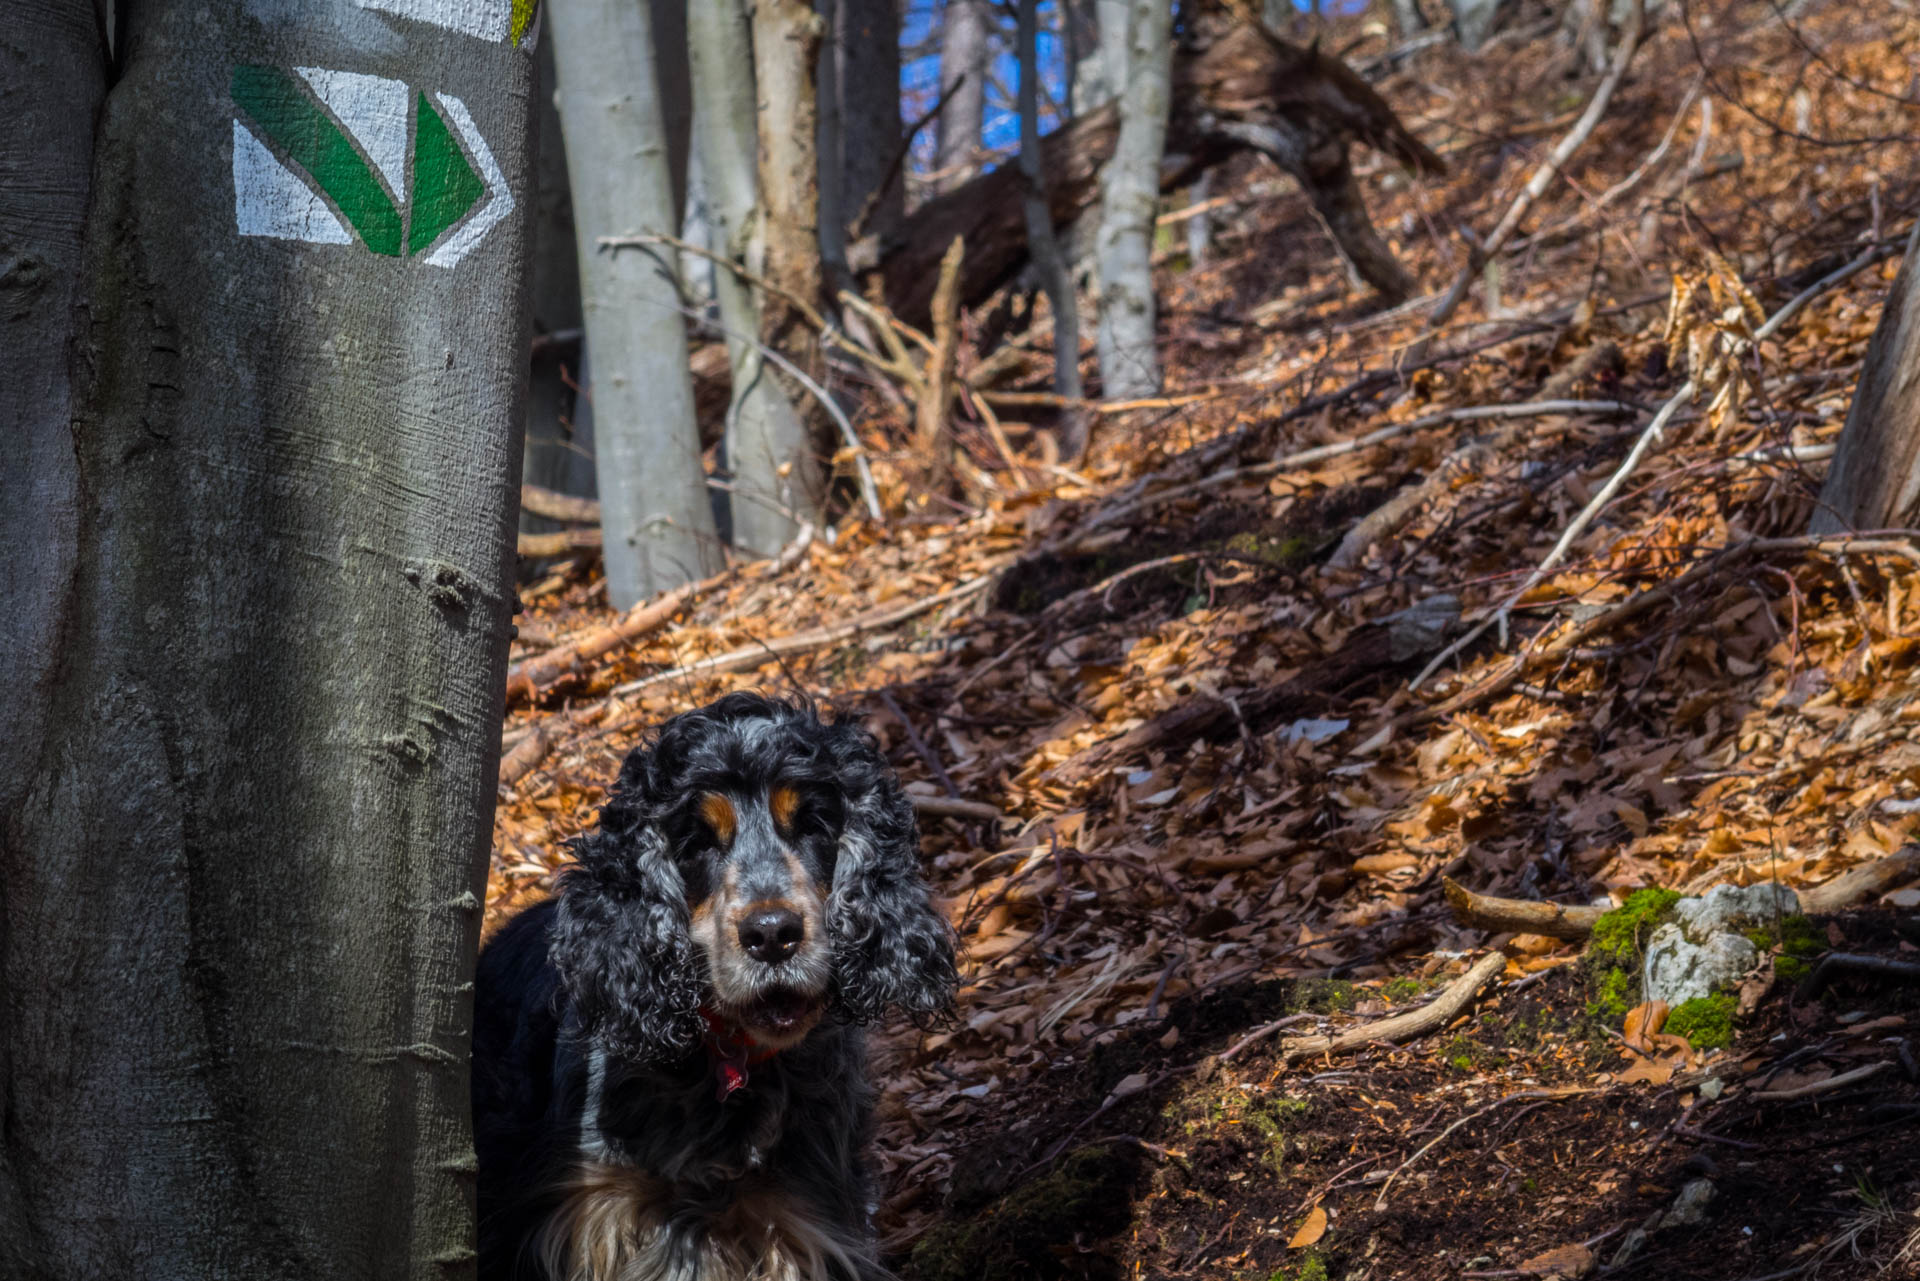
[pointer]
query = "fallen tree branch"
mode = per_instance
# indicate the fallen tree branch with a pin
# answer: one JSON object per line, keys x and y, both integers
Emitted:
{"x": 560, "y": 543}
{"x": 1868, "y": 880}
{"x": 804, "y": 642}
{"x": 527, "y": 680}
{"x": 525, "y": 756}
{"x": 1402, "y": 1027}
{"x": 955, "y": 807}
{"x": 1520, "y": 916}
{"x": 1822, "y": 1087}
{"x": 554, "y": 505}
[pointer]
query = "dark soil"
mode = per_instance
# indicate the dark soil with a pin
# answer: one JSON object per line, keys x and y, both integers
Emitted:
{"x": 1209, "y": 1168}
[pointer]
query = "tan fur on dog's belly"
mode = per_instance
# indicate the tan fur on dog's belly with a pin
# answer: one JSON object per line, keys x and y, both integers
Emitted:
{"x": 609, "y": 1229}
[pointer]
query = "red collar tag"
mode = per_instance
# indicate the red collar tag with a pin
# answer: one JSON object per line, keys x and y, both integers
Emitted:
{"x": 732, "y": 1052}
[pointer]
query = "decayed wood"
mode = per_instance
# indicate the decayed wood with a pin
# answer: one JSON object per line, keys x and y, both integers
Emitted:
{"x": 525, "y": 756}
{"x": 1520, "y": 916}
{"x": 933, "y": 436}
{"x": 1227, "y": 75}
{"x": 955, "y": 807}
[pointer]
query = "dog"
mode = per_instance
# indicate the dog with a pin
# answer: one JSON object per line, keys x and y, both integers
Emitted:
{"x": 668, "y": 1060}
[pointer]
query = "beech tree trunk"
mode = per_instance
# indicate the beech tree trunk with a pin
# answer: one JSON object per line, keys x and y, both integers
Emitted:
{"x": 1874, "y": 480}
{"x": 1042, "y": 245}
{"x": 1129, "y": 194}
{"x": 280, "y": 348}
{"x": 656, "y": 522}
{"x": 963, "y": 52}
{"x": 775, "y": 481}
{"x": 866, "y": 41}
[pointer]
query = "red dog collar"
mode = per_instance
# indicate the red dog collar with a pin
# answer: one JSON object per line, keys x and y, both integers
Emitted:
{"x": 733, "y": 1051}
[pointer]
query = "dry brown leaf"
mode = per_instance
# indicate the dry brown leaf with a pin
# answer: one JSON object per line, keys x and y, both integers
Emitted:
{"x": 1567, "y": 1261}
{"x": 1311, "y": 1231}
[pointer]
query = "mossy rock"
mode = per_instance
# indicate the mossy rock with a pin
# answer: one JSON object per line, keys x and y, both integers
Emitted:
{"x": 1617, "y": 946}
{"x": 1086, "y": 1198}
{"x": 1796, "y": 944}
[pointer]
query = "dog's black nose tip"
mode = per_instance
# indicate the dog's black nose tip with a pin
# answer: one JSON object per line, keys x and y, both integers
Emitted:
{"x": 771, "y": 936}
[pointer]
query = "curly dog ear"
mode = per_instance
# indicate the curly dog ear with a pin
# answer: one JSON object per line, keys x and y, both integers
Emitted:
{"x": 891, "y": 948}
{"x": 621, "y": 944}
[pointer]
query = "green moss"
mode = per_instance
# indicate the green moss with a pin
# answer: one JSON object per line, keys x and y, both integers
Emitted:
{"x": 1619, "y": 935}
{"x": 1274, "y": 1118}
{"x": 1313, "y": 1267}
{"x": 1465, "y": 1055}
{"x": 1795, "y": 944}
{"x": 1398, "y": 991}
{"x": 1325, "y": 996}
{"x": 1086, "y": 1197}
{"x": 1706, "y": 1021}
{"x": 1614, "y": 950}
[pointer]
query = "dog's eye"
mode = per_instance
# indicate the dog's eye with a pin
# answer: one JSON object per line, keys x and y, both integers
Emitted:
{"x": 716, "y": 811}
{"x": 784, "y": 802}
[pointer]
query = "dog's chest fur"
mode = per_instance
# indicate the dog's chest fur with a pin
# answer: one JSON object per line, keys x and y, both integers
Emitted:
{"x": 671, "y": 1183}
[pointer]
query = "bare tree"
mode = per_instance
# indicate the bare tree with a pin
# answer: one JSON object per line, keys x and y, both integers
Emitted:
{"x": 866, "y": 43}
{"x": 1129, "y": 193}
{"x": 963, "y": 82}
{"x": 776, "y": 481}
{"x": 1042, "y": 246}
{"x": 280, "y": 346}
{"x": 656, "y": 521}
{"x": 1874, "y": 481}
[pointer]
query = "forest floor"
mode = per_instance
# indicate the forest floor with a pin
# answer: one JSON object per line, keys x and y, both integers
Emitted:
{"x": 1192, "y": 695}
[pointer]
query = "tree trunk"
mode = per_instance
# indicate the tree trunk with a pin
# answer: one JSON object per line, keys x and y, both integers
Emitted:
{"x": 866, "y": 41}
{"x": 1042, "y": 246}
{"x": 963, "y": 52}
{"x": 656, "y": 522}
{"x": 1129, "y": 193}
{"x": 247, "y": 827}
{"x": 787, "y": 36}
{"x": 1474, "y": 21}
{"x": 775, "y": 477}
{"x": 1874, "y": 480}
{"x": 556, "y": 456}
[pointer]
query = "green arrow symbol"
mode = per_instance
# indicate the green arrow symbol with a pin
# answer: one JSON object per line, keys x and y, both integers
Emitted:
{"x": 279, "y": 104}
{"x": 444, "y": 184}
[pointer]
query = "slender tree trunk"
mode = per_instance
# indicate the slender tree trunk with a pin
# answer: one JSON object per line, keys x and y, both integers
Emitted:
{"x": 1474, "y": 21}
{"x": 1874, "y": 481}
{"x": 963, "y": 52}
{"x": 1130, "y": 189}
{"x": 776, "y": 479}
{"x": 1042, "y": 246}
{"x": 787, "y": 37}
{"x": 866, "y": 40}
{"x": 247, "y": 826}
{"x": 656, "y": 521}
{"x": 554, "y": 453}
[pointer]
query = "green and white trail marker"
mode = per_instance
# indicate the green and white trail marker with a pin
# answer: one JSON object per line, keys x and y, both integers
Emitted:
{"x": 334, "y": 157}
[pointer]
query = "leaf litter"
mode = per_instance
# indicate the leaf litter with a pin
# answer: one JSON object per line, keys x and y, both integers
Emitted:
{"x": 1206, "y": 797}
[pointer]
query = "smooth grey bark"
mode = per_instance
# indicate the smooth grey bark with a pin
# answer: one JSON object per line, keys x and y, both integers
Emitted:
{"x": 1129, "y": 194}
{"x": 963, "y": 52}
{"x": 1043, "y": 248}
{"x": 776, "y": 481}
{"x": 1407, "y": 17}
{"x": 1874, "y": 480}
{"x": 247, "y": 826}
{"x": 556, "y": 457}
{"x": 866, "y": 41}
{"x": 656, "y": 523}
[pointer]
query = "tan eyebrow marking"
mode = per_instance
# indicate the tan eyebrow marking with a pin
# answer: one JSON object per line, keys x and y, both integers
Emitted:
{"x": 785, "y": 803}
{"x": 716, "y": 811}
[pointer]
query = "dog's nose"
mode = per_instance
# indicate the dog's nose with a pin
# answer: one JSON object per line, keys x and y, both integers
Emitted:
{"x": 771, "y": 936}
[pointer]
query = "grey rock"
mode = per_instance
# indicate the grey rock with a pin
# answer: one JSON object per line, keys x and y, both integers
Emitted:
{"x": 1702, "y": 950}
{"x": 1690, "y": 1207}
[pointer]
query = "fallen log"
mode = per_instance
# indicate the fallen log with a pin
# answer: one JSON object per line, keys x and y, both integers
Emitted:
{"x": 1863, "y": 882}
{"x": 1236, "y": 88}
{"x": 552, "y": 504}
{"x": 560, "y": 543}
{"x": 526, "y": 681}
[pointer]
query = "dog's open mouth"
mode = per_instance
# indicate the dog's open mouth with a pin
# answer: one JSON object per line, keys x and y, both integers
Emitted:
{"x": 782, "y": 1012}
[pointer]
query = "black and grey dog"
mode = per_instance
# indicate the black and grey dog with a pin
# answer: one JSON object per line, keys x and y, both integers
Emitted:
{"x": 668, "y": 1073}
